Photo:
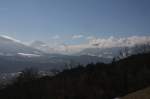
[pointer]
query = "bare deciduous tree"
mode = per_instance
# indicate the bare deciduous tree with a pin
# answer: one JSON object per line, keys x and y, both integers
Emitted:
{"x": 28, "y": 74}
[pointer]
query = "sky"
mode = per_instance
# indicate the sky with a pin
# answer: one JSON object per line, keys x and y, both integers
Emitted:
{"x": 73, "y": 21}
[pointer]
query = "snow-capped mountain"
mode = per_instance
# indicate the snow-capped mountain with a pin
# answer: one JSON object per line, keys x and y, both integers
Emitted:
{"x": 10, "y": 46}
{"x": 40, "y": 45}
{"x": 109, "y": 53}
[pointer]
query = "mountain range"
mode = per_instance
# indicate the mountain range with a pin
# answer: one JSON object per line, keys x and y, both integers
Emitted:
{"x": 15, "y": 56}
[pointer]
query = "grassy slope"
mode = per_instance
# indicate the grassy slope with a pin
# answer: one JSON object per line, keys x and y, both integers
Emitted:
{"x": 141, "y": 94}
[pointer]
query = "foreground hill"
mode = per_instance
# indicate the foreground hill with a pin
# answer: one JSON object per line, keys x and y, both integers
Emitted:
{"x": 95, "y": 81}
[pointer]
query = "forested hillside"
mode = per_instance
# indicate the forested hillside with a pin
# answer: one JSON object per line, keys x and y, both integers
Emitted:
{"x": 95, "y": 81}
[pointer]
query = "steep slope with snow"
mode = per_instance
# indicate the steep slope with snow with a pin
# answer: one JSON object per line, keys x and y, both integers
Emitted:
{"x": 10, "y": 46}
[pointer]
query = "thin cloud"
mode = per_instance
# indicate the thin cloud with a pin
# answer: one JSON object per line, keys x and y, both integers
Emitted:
{"x": 56, "y": 37}
{"x": 109, "y": 42}
{"x": 90, "y": 37}
{"x": 119, "y": 42}
{"x": 77, "y": 36}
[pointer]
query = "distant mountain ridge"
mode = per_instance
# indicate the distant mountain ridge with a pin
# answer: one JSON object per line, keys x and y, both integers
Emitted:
{"x": 101, "y": 52}
{"x": 15, "y": 56}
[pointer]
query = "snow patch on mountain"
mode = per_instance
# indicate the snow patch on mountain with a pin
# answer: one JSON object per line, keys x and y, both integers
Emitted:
{"x": 10, "y": 38}
{"x": 10, "y": 46}
{"x": 29, "y": 55}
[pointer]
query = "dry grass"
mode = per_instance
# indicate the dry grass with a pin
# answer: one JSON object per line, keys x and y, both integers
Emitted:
{"x": 142, "y": 94}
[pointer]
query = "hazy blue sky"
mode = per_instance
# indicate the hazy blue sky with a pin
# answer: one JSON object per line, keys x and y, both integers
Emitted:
{"x": 49, "y": 20}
